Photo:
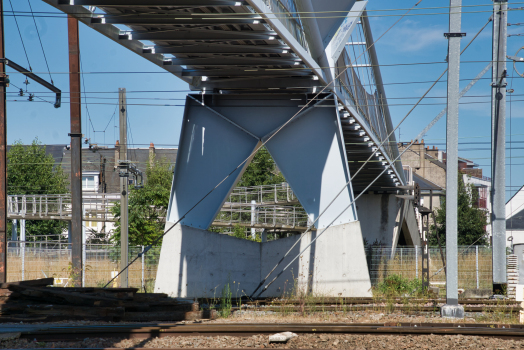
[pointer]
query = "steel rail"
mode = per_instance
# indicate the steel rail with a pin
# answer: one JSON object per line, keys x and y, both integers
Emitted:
{"x": 243, "y": 329}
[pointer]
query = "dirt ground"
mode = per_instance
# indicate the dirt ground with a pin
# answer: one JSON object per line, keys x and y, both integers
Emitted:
{"x": 307, "y": 341}
{"x": 303, "y": 341}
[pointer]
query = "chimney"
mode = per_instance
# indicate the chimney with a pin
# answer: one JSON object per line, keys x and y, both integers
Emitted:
{"x": 151, "y": 154}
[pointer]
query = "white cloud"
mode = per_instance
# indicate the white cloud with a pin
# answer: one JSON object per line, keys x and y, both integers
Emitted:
{"x": 412, "y": 36}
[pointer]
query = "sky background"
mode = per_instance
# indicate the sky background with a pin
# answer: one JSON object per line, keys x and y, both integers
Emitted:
{"x": 412, "y": 55}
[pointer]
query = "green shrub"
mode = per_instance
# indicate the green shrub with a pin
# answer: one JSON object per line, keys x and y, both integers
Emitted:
{"x": 396, "y": 285}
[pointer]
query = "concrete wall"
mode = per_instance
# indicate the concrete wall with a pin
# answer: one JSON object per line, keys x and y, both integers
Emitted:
{"x": 382, "y": 218}
{"x": 197, "y": 263}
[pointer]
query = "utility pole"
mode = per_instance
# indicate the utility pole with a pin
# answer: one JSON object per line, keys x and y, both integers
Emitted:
{"x": 124, "y": 182}
{"x": 76, "y": 150}
{"x": 3, "y": 155}
{"x": 452, "y": 308}
{"x": 498, "y": 139}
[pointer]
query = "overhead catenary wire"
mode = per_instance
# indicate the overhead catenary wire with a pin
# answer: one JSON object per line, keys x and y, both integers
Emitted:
{"x": 362, "y": 166}
{"x": 419, "y": 136}
{"x": 40, "y": 40}
{"x": 21, "y": 38}
{"x": 253, "y": 153}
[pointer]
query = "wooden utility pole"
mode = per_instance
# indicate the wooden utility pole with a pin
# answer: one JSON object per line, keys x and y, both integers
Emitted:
{"x": 76, "y": 150}
{"x": 124, "y": 182}
{"x": 3, "y": 156}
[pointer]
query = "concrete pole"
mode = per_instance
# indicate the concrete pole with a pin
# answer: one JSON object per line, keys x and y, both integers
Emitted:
{"x": 3, "y": 156}
{"x": 76, "y": 150}
{"x": 124, "y": 176}
{"x": 452, "y": 308}
{"x": 498, "y": 133}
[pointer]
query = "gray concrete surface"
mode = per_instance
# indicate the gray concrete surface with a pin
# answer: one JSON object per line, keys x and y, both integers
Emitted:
{"x": 198, "y": 263}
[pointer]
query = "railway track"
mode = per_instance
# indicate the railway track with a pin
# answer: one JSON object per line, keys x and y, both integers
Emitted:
{"x": 70, "y": 333}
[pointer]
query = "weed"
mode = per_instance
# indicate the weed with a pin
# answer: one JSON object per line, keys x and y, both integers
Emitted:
{"x": 226, "y": 304}
{"x": 398, "y": 286}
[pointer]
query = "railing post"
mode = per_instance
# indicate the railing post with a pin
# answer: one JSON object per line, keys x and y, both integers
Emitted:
{"x": 401, "y": 261}
{"x": 22, "y": 246}
{"x": 416, "y": 261}
{"x": 143, "y": 280}
{"x": 477, "y": 264}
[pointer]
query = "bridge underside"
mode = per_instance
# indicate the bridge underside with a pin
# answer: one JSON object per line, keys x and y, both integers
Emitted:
{"x": 259, "y": 66}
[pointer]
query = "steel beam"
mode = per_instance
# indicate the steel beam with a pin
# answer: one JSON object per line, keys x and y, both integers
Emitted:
{"x": 234, "y": 61}
{"x": 451, "y": 309}
{"x": 257, "y": 83}
{"x": 76, "y": 150}
{"x": 172, "y": 19}
{"x": 151, "y": 3}
{"x": 198, "y": 34}
{"x": 3, "y": 156}
{"x": 195, "y": 49}
{"x": 498, "y": 132}
{"x": 113, "y": 33}
{"x": 244, "y": 72}
{"x": 36, "y": 78}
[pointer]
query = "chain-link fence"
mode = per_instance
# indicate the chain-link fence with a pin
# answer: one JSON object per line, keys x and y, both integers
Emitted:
{"x": 33, "y": 260}
{"x": 474, "y": 265}
{"x": 101, "y": 262}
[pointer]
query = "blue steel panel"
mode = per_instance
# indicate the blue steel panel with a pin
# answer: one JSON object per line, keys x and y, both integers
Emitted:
{"x": 328, "y": 23}
{"x": 310, "y": 154}
{"x": 209, "y": 149}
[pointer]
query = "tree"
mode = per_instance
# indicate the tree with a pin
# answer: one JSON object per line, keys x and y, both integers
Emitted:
{"x": 147, "y": 206}
{"x": 261, "y": 171}
{"x": 31, "y": 171}
{"x": 471, "y": 221}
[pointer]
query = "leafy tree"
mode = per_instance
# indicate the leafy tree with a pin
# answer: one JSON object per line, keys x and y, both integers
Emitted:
{"x": 471, "y": 221}
{"x": 261, "y": 171}
{"x": 31, "y": 171}
{"x": 147, "y": 206}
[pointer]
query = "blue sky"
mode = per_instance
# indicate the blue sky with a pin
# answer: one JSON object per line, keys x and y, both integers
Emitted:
{"x": 156, "y": 98}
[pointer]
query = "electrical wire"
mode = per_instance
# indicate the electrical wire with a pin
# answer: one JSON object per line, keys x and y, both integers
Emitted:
{"x": 247, "y": 159}
{"x": 21, "y": 39}
{"x": 40, "y": 40}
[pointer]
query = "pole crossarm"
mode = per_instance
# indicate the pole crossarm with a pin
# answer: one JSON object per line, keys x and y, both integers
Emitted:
{"x": 36, "y": 78}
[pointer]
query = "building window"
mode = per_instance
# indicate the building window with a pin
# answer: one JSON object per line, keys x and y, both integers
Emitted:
{"x": 88, "y": 183}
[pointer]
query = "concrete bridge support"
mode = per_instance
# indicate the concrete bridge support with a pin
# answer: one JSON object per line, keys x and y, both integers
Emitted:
{"x": 218, "y": 133}
{"x": 387, "y": 220}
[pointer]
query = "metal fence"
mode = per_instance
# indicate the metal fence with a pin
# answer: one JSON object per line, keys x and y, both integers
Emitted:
{"x": 27, "y": 261}
{"x": 474, "y": 265}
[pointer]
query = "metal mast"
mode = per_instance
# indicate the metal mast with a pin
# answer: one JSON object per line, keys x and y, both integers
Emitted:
{"x": 452, "y": 309}
{"x": 498, "y": 134}
{"x": 76, "y": 149}
{"x": 124, "y": 182}
{"x": 3, "y": 156}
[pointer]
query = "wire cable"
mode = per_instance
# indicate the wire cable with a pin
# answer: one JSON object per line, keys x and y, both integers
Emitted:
{"x": 419, "y": 136}
{"x": 247, "y": 159}
{"x": 21, "y": 39}
{"x": 362, "y": 166}
{"x": 40, "y": 40}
